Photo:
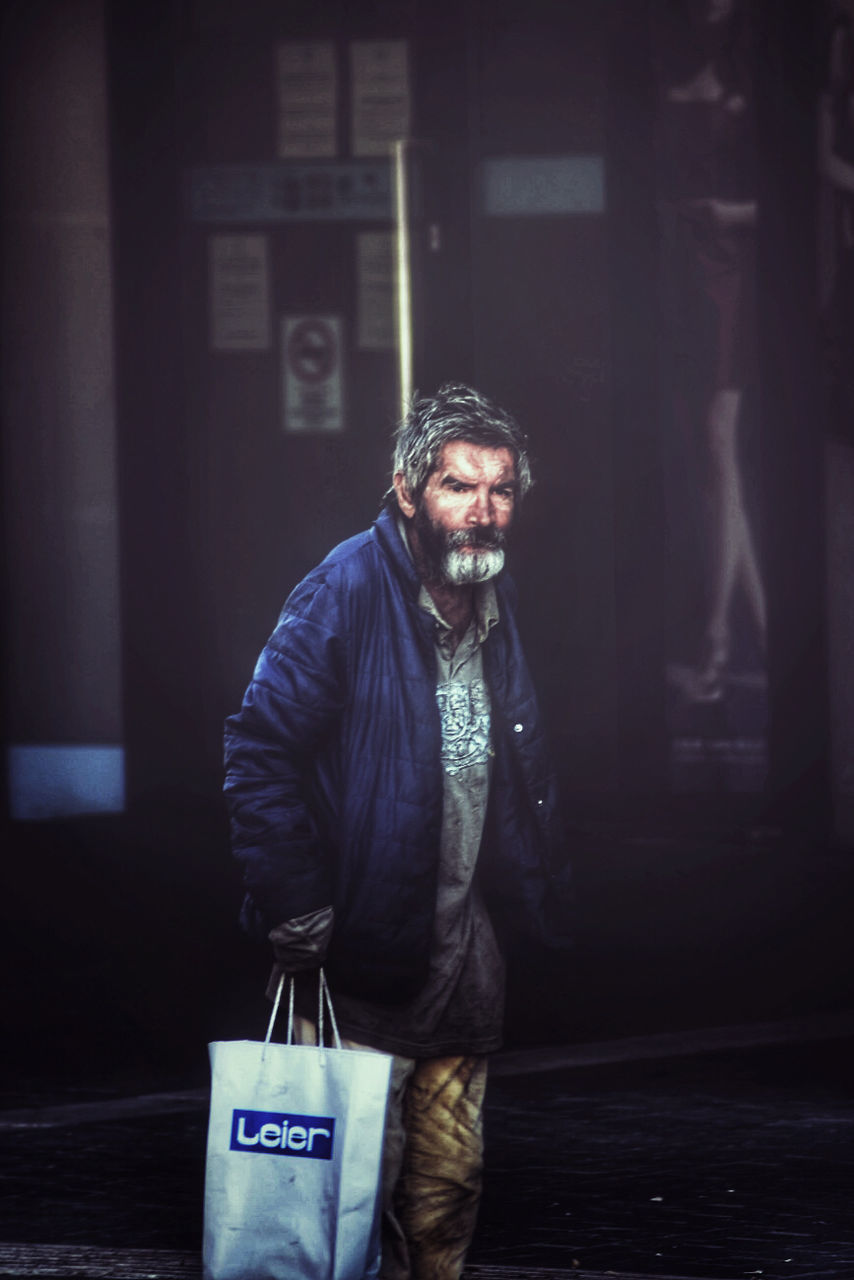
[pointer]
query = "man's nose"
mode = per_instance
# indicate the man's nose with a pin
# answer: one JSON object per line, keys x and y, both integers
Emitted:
{"x": 480, "y": 511}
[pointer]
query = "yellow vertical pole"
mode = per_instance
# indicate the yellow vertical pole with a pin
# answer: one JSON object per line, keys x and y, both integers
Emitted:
{"x": 403, "y": 272}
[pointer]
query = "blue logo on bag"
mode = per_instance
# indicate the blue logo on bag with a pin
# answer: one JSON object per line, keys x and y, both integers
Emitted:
{"x": 282, "y": 1135}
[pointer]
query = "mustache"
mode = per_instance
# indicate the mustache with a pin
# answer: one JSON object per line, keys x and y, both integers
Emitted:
{"x": 482, "y": 537}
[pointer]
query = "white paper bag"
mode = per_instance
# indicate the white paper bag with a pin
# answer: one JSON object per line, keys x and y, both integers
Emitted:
{"x": 294, "y": 1160}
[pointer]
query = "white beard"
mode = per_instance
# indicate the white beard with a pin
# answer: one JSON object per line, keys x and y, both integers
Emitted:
{"x": 461, "y": 568}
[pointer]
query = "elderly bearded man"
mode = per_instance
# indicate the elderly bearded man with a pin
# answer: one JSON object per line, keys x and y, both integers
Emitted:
{"x": 393, "y": 807}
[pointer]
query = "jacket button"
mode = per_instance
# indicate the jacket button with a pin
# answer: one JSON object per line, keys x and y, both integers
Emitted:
{"x": 539, "y": 802}
{"x": 517, "y": 728}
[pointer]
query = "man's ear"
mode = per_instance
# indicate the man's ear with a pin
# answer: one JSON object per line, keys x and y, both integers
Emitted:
{"x": 404, "y": 501}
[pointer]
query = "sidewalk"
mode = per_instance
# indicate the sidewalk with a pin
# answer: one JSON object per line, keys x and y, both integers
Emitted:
{"x": 141, "y": 1264}
{"x": 711, "y": 1155}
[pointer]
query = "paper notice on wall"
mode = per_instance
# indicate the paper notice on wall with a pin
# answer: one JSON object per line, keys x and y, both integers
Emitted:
{"x": 239, "y": 275}
{"x": 380, "y": 95}
{"x": 376, "y": 328}
{"x": 311, "y": 370}
{"x": 306, "y": 99}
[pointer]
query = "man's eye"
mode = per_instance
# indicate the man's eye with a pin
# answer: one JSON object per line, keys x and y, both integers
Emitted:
{"x": 504, "y": 492}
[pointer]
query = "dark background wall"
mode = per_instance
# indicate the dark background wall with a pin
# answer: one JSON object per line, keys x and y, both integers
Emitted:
{"x": 694, "y": 907}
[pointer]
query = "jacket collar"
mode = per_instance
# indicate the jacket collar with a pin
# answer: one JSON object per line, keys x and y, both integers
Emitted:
{"x": 387, "y": 534}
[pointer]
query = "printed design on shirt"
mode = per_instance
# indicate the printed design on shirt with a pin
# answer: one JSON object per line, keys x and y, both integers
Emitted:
{"x": 464, "y": 710}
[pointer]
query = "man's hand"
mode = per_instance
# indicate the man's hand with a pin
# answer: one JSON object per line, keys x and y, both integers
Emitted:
{"x": 301, "y": 943}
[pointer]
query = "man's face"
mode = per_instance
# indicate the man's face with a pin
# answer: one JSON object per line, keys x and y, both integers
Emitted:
{"x": 460, "y": 520}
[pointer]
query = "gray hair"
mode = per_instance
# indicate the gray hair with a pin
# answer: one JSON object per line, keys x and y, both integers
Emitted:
{"x": 456, "y": 412}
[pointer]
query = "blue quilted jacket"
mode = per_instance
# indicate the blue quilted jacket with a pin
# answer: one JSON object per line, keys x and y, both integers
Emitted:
{"x": 333, "y": 777}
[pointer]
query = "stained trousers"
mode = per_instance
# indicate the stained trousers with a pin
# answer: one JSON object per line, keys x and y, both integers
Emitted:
{"x": 432, "y": 1162}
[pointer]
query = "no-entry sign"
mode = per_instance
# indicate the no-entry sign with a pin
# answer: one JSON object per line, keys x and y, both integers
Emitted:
{"x": 311, "y": 362}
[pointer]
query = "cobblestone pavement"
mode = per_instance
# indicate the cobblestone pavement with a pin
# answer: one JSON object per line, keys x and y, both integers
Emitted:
{"x": 723, "y": 1165}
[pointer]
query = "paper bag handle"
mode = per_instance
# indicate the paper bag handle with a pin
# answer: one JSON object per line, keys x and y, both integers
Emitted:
{"x": 322, "y": 996}
{"x": 323, "y": 990}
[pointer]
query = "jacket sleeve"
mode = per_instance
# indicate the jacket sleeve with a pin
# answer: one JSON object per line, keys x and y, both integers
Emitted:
{"x": 294, "y": 699}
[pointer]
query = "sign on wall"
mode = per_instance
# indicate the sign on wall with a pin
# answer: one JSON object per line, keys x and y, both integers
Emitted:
{"x": 290, "y": 191}
{"x": 306, "y": 95}
{"x": 311, "y": 371}
{"x": 530, "y": 186}
{"x": 239, "y": 278}
{"x": 380, "y": 95}
{"x": 375, "y": 272}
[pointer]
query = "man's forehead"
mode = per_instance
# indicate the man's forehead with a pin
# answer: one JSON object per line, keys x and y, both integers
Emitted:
{"x": 475, "y": 459}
